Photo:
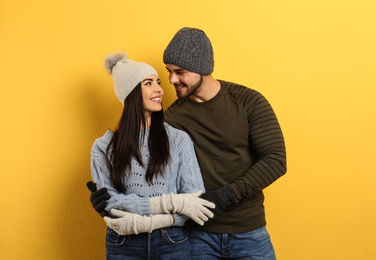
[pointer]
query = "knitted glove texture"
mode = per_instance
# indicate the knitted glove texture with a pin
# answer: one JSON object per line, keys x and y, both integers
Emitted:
{"x": 130, "y": 224}
{"x": 222, "y": 198}
{"x": 188, "y": 204}
{"x": 98, "y": 198}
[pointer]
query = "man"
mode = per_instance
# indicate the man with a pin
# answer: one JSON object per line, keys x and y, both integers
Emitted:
{"x": 239, "y": 146}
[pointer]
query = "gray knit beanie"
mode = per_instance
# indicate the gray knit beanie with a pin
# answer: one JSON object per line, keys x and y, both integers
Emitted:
{"x": 190, "y": 49}
{"x": 126, "y": 73}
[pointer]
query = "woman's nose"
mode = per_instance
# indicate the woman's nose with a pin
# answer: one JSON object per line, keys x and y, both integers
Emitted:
{"x": 158, "y": 88}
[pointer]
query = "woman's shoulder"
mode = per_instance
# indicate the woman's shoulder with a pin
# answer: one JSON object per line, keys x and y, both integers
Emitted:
{"x": 177, "y": 136}
{"x": 101, "y": 143}
{"x": 174, "y": 131}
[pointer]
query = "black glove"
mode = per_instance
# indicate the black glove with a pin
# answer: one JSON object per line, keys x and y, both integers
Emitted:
{"x": 98, "y": 198}
{"x": 222, "y": 198}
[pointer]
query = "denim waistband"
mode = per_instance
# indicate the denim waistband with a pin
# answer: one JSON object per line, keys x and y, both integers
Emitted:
{"x": 162, "y": 231}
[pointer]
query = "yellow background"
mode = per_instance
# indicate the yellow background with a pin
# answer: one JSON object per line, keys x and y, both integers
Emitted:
{"x": 314, "y": 60}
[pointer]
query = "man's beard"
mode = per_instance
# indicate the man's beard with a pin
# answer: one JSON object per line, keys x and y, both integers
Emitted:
{"x": 192, "y": 89}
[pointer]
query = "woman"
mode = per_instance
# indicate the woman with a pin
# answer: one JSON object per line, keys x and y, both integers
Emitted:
{"x": 144, "y": 164}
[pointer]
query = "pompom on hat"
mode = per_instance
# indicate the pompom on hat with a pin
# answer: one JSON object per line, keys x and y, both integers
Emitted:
{"x": 190, "y": 49}
{"x": 126, "y": 73}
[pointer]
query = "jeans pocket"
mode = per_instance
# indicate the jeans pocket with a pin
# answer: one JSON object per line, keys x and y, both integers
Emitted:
{"x": 113, "y": 238}
{"x": 176, "y": 235}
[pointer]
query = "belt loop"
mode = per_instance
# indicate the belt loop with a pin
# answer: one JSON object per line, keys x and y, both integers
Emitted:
{"x": 163, "y": 232}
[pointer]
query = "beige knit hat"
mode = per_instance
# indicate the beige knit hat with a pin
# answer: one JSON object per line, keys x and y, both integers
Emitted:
{"x": 126, "y": 73}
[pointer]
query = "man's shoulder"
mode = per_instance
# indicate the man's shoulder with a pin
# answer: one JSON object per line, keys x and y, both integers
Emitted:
{"x": 239, "y": 92}
{"x": 233, "y": 89}
{"x": 174, "y": 106}
{"x": 177, "y": 103}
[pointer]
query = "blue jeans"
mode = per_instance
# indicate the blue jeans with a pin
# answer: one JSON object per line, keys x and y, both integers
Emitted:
{"x": 255, "y": 245}
{"x": 164, "y": 244}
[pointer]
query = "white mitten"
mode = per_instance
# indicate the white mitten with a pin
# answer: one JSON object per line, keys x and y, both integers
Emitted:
{"x": 188, "y": 204}
{"x": 129, "y": 223}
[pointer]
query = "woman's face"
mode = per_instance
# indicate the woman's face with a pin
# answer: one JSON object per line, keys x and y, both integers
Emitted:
{"x": 152, "y": 94}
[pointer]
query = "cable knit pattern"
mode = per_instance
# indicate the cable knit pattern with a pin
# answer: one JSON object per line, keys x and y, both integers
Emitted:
{"x": 182, "y": 175}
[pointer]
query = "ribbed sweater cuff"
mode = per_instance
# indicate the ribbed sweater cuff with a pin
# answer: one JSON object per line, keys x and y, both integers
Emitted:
{"x": 144, "y": 207}
{"x": 179, "y": 220}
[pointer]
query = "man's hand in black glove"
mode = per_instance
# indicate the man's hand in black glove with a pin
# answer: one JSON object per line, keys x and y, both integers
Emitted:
{"x": 98, "y": 198}
{"x": 222, "y": 198}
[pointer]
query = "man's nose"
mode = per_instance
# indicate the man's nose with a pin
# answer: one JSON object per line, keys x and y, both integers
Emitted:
{"x": 173, "y": 78}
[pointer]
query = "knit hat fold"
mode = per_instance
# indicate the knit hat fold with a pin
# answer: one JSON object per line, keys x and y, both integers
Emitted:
{"x": 191, "y": 50}
{"x": 126, "y": 73}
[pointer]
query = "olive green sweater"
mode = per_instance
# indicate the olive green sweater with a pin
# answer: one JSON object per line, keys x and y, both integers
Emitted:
{"x": 238, "y": 141}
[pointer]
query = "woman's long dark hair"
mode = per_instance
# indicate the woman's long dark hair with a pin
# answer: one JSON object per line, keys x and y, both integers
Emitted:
{"x": 125, "y": 143}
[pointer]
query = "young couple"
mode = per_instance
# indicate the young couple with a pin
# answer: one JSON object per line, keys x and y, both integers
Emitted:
{"x": 152, "y": 178}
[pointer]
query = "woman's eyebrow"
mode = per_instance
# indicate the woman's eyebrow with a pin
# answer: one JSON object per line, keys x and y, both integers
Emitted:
{"x": 147, "y": 79}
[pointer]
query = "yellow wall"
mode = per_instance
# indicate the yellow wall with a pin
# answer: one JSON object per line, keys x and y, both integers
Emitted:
{"x": 314, "y": 60}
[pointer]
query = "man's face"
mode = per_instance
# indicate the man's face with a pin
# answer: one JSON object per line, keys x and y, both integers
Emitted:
{"x": 186, "y": 82}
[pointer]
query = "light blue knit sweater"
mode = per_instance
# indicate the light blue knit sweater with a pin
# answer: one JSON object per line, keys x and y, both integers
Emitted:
{"x": 182, "y": 175}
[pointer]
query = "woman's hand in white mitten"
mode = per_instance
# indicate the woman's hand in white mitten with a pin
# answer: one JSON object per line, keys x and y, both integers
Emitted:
{"x": 188, "y": 204}
{"x": 130, "y": 224}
